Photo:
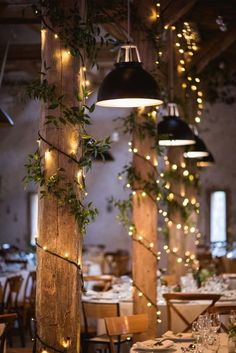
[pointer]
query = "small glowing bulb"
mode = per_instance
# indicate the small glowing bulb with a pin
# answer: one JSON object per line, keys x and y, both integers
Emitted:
{"x": 185, "y": 172}
{"x": 148, "y": 157}
{"x": 193, "y": 88}
{"x": 151, "y": 245}
{"x": 197, "y": 119}
{"x": 189, "y": 78}
{"x": 181, "y": 51}
{"x": 179, "y": 260}
{"x": 130, "y": 143}
{"x": 184, "y": 85}
{"x": 149, "y": 305}
{"x": 175, "y": 250}
{"x": 130, "y": 233}
{"x": 45, "y": 248}
{"x": 170, "y": 223}
{"x": 128, "y": 186}
{"x": 143, "y": 194}
{"x": 140, "y": 294}
{"x": 87, "y": 83}
{"x": 174, "y": 166}
{"x": 55, "y": 36}
{"x": 179, "y": 35}
{"x": 183, "y": 164}
{"x": 66, "y": 255}
{"x": 177, "y": 44}
{"x": 199, "y": 93}
{"x": 178, "y": 226}
{"x": 135, "y": 150}
{"x": 134, "y": 193}
{"x": 197, "y": 79}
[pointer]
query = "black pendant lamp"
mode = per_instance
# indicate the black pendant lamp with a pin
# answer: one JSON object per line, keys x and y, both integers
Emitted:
{"x": 207, "y": 161}
{"x": 128, "y": 85}
{"x": 198, "y": 150}
{"x": 173, "y": 131}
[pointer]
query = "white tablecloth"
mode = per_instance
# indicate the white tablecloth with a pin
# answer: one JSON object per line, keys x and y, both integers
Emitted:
{"x": 189, "y": 310}
{"x": 177, "y": 347}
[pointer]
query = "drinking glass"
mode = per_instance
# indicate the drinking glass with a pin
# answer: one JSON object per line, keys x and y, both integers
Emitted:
{"x": 196, "y": 331}
{"x": 215, "y": 322}
{"x": 232, "y": 317}
{"x": 213, "y": 342}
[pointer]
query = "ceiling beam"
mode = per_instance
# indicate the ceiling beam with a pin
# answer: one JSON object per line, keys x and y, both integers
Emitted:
{"x": 174, "y": 11}
{"x": 22, "y": 52}
{"x": 17, "y": 14}
{"x": 212, "y": 49}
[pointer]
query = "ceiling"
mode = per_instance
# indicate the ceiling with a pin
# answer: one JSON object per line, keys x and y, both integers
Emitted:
{"x": 214, "y": 21}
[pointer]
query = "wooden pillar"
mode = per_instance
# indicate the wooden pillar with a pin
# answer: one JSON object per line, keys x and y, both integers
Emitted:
{"x": 58, "y": 283}
{"x": 144, "y": 266}
{"x": 176, "y": 233}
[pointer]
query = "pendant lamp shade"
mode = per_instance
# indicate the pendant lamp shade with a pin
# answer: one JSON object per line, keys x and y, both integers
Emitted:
{"x": 128, "y": 84}
{"x": 173, "y": 131}
{"x": 5, "y": 119}
{"x": 207, "y": 161}
{"x": 198, "y": 150}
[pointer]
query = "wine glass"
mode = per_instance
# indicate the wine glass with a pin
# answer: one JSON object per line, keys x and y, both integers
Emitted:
{"x": 213, "y": 342}
{"x": 215, "y": 322}
{"x": 232, "y": 317}
{"x": 196, "y": 331}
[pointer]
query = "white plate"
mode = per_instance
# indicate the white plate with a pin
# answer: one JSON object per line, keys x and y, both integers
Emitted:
{"x": 179, "y": 337}
{"x": 149, "y": 346}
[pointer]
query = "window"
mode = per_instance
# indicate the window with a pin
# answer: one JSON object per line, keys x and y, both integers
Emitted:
{"x": 33, "y": 208}
{"x": 218, "y": 222}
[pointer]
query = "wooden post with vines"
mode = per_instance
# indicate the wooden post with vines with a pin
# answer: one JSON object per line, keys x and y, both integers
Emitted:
{"x": 58, "y": 282}
{"x": 59, "y": 237}
{"x": 144, "y": 264}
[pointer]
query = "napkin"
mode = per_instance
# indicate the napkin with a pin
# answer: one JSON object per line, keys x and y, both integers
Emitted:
{"x": 151, "y": 345}
{"x": 182, "y": 336}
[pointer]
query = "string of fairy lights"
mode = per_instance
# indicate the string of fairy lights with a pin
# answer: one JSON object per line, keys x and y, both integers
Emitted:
{"x": 66, "y": 342}
{"x": 185, "y": 36}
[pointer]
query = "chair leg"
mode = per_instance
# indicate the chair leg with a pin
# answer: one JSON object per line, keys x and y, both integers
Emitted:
{"x": 21, "y": 331}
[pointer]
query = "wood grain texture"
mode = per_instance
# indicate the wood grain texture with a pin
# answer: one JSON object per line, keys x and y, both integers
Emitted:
{"x": 58, "y": 287}
{"x": 144, "y": 210}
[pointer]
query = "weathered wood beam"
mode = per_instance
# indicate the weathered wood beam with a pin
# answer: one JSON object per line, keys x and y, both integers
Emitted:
{"x": 212, "y": 49}
{"x": 174, "y": 11}
{"x": 22, "y": 52}
{"x": 17, "y": 14}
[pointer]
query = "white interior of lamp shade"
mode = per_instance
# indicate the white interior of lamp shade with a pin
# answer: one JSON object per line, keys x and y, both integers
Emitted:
{"x": 129, "y": 102}
{"x": 196, "y": 154}
{"x": 176, "y": 142}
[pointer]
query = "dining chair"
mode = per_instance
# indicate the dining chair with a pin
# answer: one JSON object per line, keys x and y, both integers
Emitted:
{"x": 173, "y": 299}
{"x": 11, "y": 304}
{"x": 7, "y": 321}
{"x": 123, "y": 326}
{"x": 224, "y": 312}
{"x": 28, "y": 304}
{"x": 100, "y": 283}
{"x": 92, "y": 312}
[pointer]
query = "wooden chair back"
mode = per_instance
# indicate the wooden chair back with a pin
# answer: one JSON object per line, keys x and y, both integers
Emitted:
{"x": 173, "y": 299}
{"x": 125, "y": 325}
{"x": 98, "y": 311}
{"x": 102, "y": 282}
{"x": 11, "y": 292}
{"x": 224, "y": 312}
{"x": 7, "y": 321}
{"x": 30, "y": 289}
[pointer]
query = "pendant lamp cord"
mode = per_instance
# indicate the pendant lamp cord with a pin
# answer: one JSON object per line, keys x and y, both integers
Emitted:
{"x": 4, "y": 61}
{"x": 128, "y": 20}
{"x": 171, "y": 66}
